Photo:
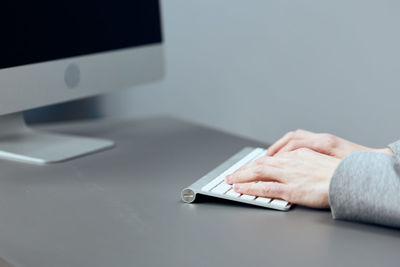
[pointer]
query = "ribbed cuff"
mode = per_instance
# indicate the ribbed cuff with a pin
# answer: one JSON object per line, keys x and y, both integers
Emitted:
{"x": 395, "y": 147}
{"x": 337, "y": 188}
{"x": 365, "y": 188}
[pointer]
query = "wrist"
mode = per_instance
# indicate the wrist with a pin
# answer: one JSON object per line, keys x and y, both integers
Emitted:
{"x": 386, "y": 150}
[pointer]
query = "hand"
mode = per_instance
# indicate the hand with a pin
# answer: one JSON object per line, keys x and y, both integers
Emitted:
{"x": 301, "y": 177}
{"x": 320, "y": 142}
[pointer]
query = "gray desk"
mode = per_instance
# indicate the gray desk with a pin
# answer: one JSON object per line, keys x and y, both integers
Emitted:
{"x": 122, "y": 208}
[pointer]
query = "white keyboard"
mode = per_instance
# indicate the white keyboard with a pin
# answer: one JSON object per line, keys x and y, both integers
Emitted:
{"x": 213, "y": 184}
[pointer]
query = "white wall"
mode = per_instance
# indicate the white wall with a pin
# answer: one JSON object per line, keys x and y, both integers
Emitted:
{"x": 259, "y": 68}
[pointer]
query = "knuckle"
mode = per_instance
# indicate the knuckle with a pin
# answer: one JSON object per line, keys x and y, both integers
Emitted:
{"x": 290, "y": 134}
{"x": 278, "y": 189}
{"x": 299, "y": 131}
{"x": 243, "y": 189}
{"x": 230, "y": 179}
{"x": 330, "y": 140}
{"x": 299, "y": 151}
{"x": 274, "y": 190}
{"x": 253, "y": 190}
{"x": 266, "y": 190}
{"x": 302, "y": 150}
{"x": 258, "y": 170}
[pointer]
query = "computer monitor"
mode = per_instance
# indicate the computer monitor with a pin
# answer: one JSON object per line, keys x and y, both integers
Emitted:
{"x": 57, "y": 51}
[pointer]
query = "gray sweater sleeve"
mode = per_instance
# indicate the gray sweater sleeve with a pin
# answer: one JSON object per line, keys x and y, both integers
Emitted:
{"x": 365, "y": 187}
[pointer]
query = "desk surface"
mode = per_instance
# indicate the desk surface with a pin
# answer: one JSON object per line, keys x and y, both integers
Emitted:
{"x": 122, "y": 208}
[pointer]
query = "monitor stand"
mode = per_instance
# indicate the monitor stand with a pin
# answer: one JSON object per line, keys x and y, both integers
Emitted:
{"x": 21, "y": 143}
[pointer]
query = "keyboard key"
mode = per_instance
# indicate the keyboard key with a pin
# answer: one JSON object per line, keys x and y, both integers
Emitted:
{"x": 232, "y": 193}
{"x": 222, "y": 188}
{"x": 213, "y": 183}
{"x": 250, "y": 157}
{"x": 247, "y": 197}
{"x": 263, "y": 200}
{"x": 279, "y": 203}
{"x": 219, "y": 187}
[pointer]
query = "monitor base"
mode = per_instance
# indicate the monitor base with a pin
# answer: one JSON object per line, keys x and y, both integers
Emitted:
{"x": 21, "y": 143}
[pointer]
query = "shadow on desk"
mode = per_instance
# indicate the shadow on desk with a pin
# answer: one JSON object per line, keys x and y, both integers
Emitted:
{"x": 203, "y": 199}
{"x": 353, "y": 226}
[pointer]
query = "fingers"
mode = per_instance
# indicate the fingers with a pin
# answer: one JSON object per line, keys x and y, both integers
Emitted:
{"x": 294, "y": 145}
{"x": 278, "y": 145}
{"x": 264, "y": 189}
{"x": 263, "y": 169}
{"x": 274, "y": 148}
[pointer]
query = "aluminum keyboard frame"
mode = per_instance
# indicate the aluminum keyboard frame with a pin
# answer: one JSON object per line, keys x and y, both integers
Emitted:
{"x": 189, "y": 193}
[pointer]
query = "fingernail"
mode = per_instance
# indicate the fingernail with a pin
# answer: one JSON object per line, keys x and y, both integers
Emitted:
{"x": 228, "y": 178}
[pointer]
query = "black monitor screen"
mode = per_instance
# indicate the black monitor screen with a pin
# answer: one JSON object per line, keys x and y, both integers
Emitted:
{"x": 35, "y": 31}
